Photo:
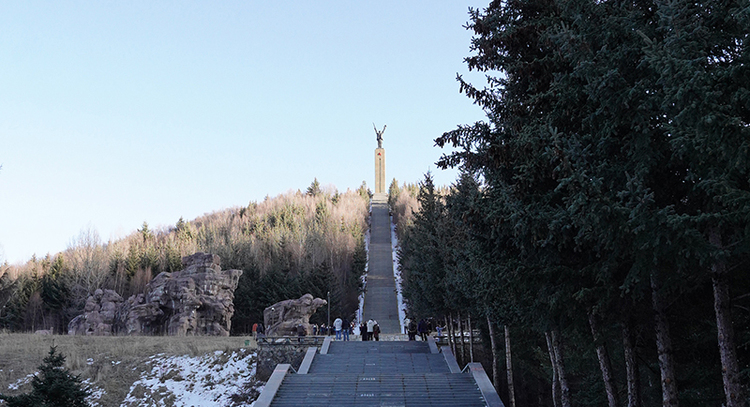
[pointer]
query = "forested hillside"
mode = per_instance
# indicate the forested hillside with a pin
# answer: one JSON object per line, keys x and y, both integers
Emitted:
{"x": 600, "y": 226}
{"x": 311, "y": 241}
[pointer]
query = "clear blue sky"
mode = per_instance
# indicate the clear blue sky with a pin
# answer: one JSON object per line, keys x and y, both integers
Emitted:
{"x": 116, "y": 113}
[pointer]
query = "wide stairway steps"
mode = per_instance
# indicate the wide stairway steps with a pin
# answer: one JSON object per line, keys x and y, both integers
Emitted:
{"x": 401, "y": 389}
{"x": 379, "y": 374}
{"x": 373, "y": 358}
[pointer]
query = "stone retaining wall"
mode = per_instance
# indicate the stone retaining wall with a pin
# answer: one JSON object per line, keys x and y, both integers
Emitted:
{"x": 271, "y": 354}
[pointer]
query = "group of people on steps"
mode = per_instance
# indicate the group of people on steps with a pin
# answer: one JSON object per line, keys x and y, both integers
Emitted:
{"x": 422, "y": 328}
{"x": 369, "y": 330}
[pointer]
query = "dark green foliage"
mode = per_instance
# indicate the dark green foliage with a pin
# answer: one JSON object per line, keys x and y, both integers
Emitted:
{"x": 145, "y": 232}
{"x": 422, "y": 252}
{"x": 56, "y": 295}
{"x": 314, "y": 188}
{"x": 185, "y": 232}
{"x": 247, "y": 310}
{"x": 364, "y": 191}
{"x": 173, "y": 259}
{"x": 14, "y": 314}
{"x": 359, "y": 262}
{"x": 615, "y": 153}
{"x": 393, "y": 192}
{"x": 7, "y": 289}
{"x": 133, "y": 260}
{"x": 53, "y": 386}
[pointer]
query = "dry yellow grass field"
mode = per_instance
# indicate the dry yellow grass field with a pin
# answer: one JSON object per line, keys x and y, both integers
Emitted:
{"x": 111, "y": 363}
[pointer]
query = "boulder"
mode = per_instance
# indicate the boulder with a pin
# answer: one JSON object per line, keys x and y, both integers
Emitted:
{"x": 198, "y": 300}
{"x": 284, "y": 317}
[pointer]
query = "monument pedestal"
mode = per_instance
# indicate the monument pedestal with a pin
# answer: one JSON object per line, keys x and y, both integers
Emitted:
{"x": 380, "y": 171}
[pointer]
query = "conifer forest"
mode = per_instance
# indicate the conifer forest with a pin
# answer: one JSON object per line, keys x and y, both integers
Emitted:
{"x": 598, "y": 232}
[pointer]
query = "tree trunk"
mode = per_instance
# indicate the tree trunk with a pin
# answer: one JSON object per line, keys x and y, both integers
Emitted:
{"x": 555, "y": 378}
{"x": 663, "y": 346}
{"x": 727, "y": 350}
{"x": 495, "y": 377}
{"x": 509, "y": 369}
{"x": 631, "y": 367}
{"x": 557, "y": 346}
{"x": 451, "y": 335}
{"x": 461, "y": 338}
{"x": 471, "y": 340}
{"x": 447, "y": 329}
{"x": 604, "y": 364}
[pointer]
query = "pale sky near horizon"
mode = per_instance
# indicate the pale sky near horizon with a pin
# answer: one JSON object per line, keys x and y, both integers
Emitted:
{"x": 116, "y": 113}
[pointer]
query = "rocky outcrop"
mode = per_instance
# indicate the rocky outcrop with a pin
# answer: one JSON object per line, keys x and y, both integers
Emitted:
{"x": 100, "y": 314}
{"x": 284, "y": 317}
{"x": 198, "y": 300}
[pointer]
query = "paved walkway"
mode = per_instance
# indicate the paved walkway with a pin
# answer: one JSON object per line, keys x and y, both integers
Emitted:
{"x": 381, "y": 302}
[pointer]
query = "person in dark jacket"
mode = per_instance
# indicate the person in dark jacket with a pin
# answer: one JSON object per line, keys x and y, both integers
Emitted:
{"x": 422, "y": 328}
{"x": 363, "y": 331}
{"x": 412, "y": 330}
{"x": 345, "y": 326}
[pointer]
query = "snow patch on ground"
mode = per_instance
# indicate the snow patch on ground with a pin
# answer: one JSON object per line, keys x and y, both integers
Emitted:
{"x": 21, "y": 382}
{"x": 397, "y": 276}
{"x": 182, "y": 381}
{"x": 96, "y": 393}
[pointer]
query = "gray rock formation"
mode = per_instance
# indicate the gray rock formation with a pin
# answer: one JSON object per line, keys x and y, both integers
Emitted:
{"x": 283, "y": 317}
{"x": 198, "y": 300}
{"x": 99, "y": 316}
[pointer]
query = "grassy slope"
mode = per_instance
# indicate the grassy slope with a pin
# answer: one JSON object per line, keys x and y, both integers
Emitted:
{"x": 96, "y": 357}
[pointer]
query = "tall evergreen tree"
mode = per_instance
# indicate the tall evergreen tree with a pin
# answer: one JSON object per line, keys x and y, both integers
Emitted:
{"x": 702, "y": 59}
{"x": 577, "y": 161}
{"x": 56, "y": 294}
{"x": 314, "y": 188}
{"x": 421, "y": 254}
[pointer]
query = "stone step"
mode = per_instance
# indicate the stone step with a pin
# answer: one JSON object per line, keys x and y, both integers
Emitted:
{"x": 379, "y": 363}
{"x": 378, "y": 347}
{"x": 437, "y": 389}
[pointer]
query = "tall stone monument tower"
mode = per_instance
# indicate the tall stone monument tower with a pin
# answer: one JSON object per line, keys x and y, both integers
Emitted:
{"x": 379, "y": 162}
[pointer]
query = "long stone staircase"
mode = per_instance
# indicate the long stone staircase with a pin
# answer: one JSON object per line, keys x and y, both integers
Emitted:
{"x": 381, "y": 303}
{"x": 390, "y": 372}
